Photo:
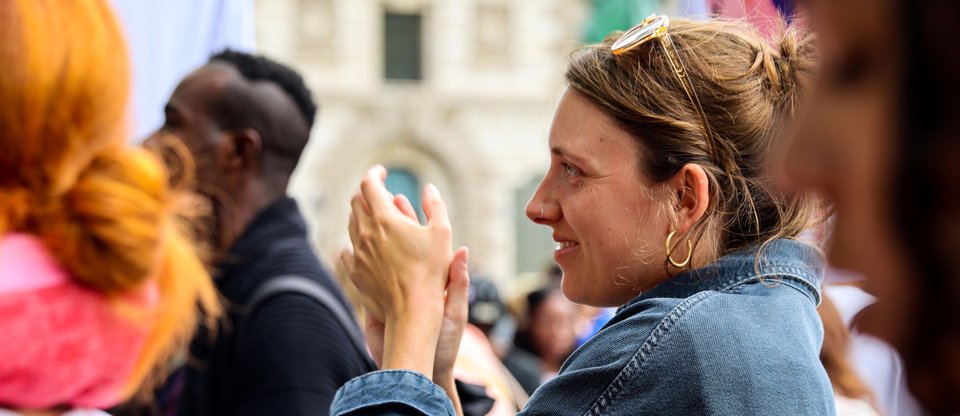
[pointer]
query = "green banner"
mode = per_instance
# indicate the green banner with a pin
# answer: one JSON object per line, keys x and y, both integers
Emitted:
{"x": 610, "y": 15}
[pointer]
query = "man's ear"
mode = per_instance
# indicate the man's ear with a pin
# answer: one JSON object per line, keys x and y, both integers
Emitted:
{"x": 691, "y": 189}
{"x": 241, "y": 150}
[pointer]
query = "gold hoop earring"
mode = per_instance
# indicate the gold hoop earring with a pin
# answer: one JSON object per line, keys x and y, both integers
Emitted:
{"x": 669, "y": 251}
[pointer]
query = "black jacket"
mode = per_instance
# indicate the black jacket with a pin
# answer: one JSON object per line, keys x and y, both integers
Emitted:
{"x": 290, "y": 355}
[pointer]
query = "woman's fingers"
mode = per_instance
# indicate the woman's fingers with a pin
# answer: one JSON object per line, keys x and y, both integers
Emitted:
{"x": 349, "y": 263}
{"x": 404, "y": 205}
{"x": 396, "y": 261}
{"x": 434, "y": 207}
{"x": 347, "y": 260}
{"x": 374, "y": 191}
{"x": 358, "y": 211}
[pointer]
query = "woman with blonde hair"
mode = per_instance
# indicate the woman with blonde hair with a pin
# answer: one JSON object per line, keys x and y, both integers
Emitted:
{"x": 660, "y": 204}
{"x": 99, "y": 278}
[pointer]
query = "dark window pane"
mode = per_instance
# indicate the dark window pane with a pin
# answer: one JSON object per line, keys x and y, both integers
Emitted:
{"x": 401, "y": 42}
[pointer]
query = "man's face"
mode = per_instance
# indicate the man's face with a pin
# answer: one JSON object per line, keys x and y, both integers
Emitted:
{"x": 189, "y": 121}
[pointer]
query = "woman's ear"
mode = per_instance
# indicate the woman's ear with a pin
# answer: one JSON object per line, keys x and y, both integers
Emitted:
{"x": 691, "y": 188}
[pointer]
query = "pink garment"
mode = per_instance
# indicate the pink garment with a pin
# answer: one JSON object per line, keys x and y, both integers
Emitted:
{"x": 762, "y": 14}
{"x": 63, "y": 343}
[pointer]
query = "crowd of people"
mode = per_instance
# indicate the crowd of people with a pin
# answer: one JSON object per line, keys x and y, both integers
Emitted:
{"x": 707, "y": 182}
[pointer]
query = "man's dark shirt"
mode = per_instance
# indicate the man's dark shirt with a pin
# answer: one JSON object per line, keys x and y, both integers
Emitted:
{"x": 291, "y": 354}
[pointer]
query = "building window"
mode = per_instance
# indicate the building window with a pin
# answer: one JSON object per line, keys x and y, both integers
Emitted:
{"x": 403, "y": 181}
{"x": 402, "y": 48}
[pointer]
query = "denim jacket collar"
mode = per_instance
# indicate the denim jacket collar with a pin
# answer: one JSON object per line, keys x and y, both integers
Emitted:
{"x": 782, "y": 261}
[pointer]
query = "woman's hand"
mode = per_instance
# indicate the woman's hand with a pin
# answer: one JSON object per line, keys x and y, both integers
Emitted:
{"x": 455, "y": 311}
{"x": 402, "y": 269}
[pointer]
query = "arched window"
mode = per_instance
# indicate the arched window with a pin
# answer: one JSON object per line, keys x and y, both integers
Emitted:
{"x": 403, "y": 181}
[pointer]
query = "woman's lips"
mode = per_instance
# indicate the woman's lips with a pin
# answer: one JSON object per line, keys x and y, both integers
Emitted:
{"x": 565, "y": 248}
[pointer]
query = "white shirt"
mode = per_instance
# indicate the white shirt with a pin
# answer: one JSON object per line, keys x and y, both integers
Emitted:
{"x": 876, "y": 362}
{"x": 169, "y": 39}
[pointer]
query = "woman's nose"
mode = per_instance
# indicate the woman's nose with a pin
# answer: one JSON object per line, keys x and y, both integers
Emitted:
{"x": 540, "y": 210}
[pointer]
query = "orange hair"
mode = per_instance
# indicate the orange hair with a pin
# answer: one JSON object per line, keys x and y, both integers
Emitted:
{"x": 105, "y": 210}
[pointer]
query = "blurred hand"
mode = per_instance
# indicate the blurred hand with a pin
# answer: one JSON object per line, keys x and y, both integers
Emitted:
{"x": 454, "y": 318}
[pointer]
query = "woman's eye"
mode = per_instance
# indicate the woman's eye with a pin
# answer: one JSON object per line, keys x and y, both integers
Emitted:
{"x": 570, "y": 170}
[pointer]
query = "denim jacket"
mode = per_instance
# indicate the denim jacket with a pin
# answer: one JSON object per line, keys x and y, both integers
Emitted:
{"x": 738, "y": 337}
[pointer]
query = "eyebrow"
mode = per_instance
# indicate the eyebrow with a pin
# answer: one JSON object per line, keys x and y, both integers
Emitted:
{"x": 560, "y": 152}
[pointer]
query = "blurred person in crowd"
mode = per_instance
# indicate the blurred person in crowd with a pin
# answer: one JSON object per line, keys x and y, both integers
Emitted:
{"x": 554, "y": 274}
{"x": 486, "y": 309}
{"x": 880, "y": 141}
{"x": 548, "y": 330}
{"x": 478, "y": 361}
{"x": 853, "y": 397}
{"x": 246, "y": 119}
{"x": 489, "y": 314}
{"x": 591, "y": 320}
{"x": 99, "y": 279}
{"x": 588, "y": 320}
{"x": 660, "y": 203}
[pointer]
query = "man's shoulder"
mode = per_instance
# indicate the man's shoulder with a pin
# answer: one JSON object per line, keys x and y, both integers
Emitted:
{"x": 310, "y": 295}
{"x": 282, "y": 256}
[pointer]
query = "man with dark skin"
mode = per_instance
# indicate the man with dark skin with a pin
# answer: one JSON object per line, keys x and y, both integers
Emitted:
{"x": 245, "y": 120}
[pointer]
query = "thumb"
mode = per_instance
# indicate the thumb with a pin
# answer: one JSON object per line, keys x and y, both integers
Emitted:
{"x": 458, "y": 287}
{"x": 402, "y": 203}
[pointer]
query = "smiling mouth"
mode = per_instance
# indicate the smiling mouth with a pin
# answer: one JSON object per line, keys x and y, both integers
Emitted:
{"x": 564, "y": 250}
{"x": 566, "y": 244}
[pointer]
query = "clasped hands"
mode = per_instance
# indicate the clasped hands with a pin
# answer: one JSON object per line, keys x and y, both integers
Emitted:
{"x": 413, "y": 288}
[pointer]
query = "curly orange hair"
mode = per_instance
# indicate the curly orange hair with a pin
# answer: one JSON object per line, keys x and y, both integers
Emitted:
{"x": 107, "y": 211}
